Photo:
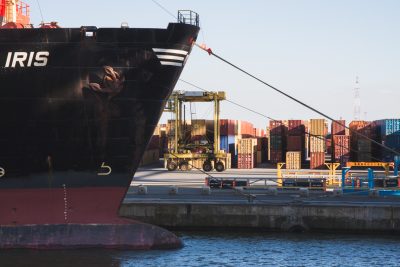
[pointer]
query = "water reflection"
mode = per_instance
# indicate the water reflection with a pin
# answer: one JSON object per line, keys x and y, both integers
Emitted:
{"x": 230, "y": 249}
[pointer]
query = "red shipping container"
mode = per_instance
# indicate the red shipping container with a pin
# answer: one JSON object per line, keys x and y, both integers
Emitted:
{"x": 363, "y": 127}
{"x": 294, "y": 143}
{"x": 276, "y": 127}
{"x": 227, "y": 127}
{"x": 341, "y": 147}
{"x": 276, "y": 156}
{"x": 295, "y": 127}
{"x": 246, "y": 161}
{"x": 338, "y": 129}
{"x": 317, "y": 160}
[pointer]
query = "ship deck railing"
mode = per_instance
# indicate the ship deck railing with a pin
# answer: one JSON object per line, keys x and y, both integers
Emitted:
{"x": 188, "y": 17}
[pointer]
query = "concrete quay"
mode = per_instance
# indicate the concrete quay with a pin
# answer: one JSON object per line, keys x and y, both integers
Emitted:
{"x": 262, "y": 209}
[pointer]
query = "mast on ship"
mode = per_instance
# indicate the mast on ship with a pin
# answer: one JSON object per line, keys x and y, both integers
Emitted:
{"x": 14, "y": 14}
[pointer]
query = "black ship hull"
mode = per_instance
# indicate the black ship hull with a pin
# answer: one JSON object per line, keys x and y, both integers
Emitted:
{"x": 78, "y": 108}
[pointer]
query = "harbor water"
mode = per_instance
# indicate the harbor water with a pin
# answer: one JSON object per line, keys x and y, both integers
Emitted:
{"x": 230, "y": 249}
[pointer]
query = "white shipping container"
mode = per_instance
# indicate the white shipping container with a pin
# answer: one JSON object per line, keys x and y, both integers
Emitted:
{"x": 293, "y": 160}
{"x": 247, "y": 146}
{"x": 317, "y": 143}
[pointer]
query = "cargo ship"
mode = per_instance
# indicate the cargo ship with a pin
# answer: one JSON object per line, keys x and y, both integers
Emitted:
{"x": 78, "y": 107}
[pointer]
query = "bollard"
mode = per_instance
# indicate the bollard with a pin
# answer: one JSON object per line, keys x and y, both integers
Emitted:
{"x": 373, "y": 193}
{"x": 371, "y": 183}
{"x": 337, "y": 192}
{"x": 304, "y": 192}
{"x": 272, "y": 191}
{"x": 173, "y": 190}
{"x": 205, "y": 190}
{"x": 142, "y": 190}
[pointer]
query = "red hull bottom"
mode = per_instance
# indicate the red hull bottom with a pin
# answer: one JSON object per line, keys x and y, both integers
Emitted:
{"x": 61, "y": 205}
{"x": 74, "y": 218}
{"x": 133, "y": 235}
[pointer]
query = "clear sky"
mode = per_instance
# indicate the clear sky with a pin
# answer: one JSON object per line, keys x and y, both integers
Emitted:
{"x": 311, "y": 49}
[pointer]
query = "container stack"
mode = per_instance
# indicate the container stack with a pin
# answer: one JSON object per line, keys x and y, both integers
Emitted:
{"x": 262, "y": 145}
{"x": 228, "y": 139}
{"x": 264, "y": 149}
{"x": 361, "y": 148}
{"x": 389, "y": 133}
{"x": 277, "y": 141}
{"x": 295, "y": 144}
{"x": 306, "y": 154}
{"x": 227, "y": 135}
{"x": 247, "y": 153}
{"x": 318, "y": 132}
{"x": 295, "y": 136}
{"x": 340, "y": 142}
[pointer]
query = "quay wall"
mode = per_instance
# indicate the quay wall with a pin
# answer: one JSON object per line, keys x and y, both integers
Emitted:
{"x": 296, "y": 217}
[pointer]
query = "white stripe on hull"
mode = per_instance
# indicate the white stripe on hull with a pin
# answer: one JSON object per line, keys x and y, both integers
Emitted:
{"x": 171, "y": 63}
{"x": 171, "y": 51}
{"x": 171, "y": 57}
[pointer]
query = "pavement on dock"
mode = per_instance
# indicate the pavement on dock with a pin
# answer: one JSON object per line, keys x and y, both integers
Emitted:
{"x": 189, "y": 183}
{"x": 161, "y": 194}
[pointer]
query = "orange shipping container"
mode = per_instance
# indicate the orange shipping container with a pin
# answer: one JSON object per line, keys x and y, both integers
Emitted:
{"x": 318, "y": 127}
{"x": 244, "y": 128}
{"x": 338, "y": 128}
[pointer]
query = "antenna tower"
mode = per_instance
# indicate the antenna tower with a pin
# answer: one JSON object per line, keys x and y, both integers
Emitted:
{"x": 357, "y": 101}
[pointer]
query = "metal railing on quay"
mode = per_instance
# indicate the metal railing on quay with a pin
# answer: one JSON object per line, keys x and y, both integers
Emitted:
{"x": 313, "y": 183}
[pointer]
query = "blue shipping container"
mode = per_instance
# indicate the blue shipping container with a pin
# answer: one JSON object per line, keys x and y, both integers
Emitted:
{"x": 389, "y": 127}
{"x": 226, "y": 142}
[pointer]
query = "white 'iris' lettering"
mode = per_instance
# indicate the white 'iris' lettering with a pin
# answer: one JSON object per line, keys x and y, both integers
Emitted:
{"x": 41, "y": 59}
{"x": 19, "y": 57}
{"x": 27, "y": 59}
